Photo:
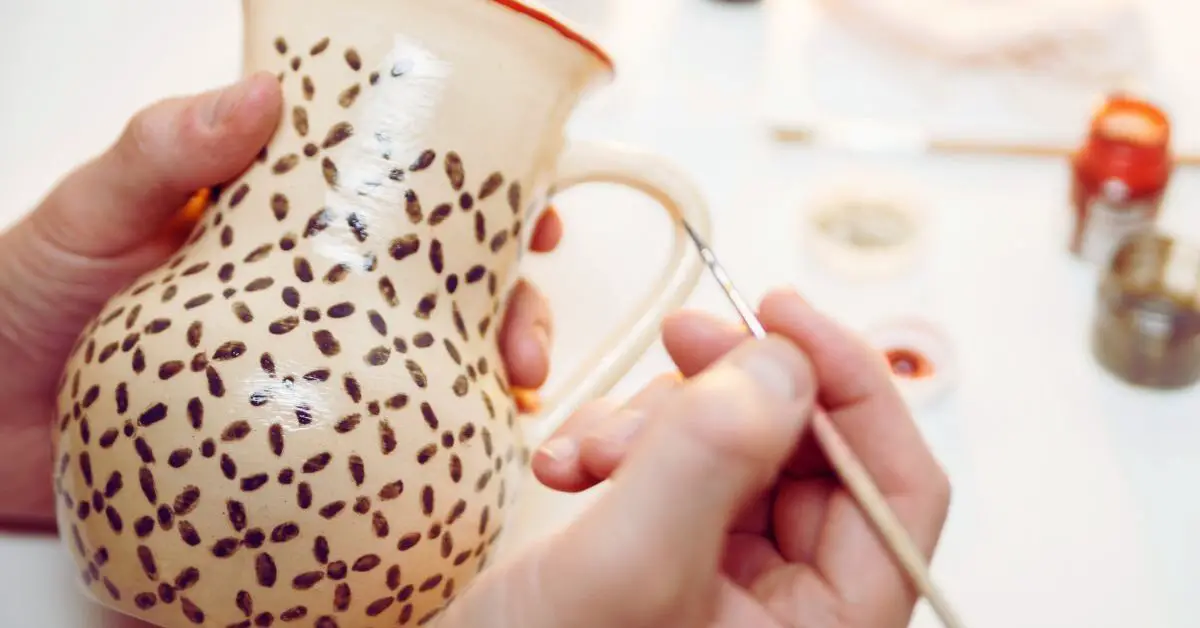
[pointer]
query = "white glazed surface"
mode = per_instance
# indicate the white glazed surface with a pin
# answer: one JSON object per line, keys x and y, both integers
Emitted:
{"x": 1074, "y": 501}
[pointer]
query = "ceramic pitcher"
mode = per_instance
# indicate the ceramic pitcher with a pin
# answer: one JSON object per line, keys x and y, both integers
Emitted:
{"x": 303, "y": 416}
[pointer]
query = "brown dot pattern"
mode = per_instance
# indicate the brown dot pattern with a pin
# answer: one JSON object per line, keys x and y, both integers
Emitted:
{"x": 255, "y": 434}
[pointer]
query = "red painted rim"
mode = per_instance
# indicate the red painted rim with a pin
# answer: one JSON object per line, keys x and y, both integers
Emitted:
{"x": 563, "y": 29}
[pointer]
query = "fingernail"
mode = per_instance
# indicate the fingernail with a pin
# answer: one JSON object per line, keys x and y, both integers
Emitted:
{"x": 769, "y": 364}
{"x": 560, "y": 449}
{"x": 220, "y": 105}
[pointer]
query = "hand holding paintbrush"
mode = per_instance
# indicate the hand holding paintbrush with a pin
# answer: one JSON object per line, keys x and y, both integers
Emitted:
{"x": 725, "y": 506}
{"x": 854, "y": 474}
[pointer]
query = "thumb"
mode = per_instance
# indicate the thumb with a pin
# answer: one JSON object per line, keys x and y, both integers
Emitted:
{"x": 169, "y": 150}
{"x": 714, "y": 446}
{"x": 105, "y": 223}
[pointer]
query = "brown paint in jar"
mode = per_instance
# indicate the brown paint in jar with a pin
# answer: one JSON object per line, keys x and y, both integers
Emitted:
{"x": 1146, "y": 330}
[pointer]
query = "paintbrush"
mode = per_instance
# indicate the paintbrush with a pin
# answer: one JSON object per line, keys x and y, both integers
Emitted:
{"x": 851, "y": 470}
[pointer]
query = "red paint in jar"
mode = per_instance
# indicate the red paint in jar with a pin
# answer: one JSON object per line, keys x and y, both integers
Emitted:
{"x": 1119, "y": 176}
{"x": 909, "y": 363}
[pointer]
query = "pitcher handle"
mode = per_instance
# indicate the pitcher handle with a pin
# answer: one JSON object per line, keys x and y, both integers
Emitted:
{"x": 593, "y": 162}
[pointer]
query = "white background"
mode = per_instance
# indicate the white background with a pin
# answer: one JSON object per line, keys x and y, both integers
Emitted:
{"x": 1075, "y": 500}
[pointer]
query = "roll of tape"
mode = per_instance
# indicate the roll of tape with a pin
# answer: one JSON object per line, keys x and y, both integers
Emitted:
{"x": 866, "y": 227}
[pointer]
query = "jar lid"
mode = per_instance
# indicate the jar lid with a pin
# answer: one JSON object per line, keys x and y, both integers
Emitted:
{"x": 865, "y": 228}
{"x": 921, "y": 357}
{"x": 1127, "y": 119}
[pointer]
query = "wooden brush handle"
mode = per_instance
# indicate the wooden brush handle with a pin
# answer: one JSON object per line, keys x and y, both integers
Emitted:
{"x": 800, "y": 135}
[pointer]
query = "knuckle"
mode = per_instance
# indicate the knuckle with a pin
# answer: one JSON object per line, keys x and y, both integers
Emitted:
{"x": 138, "y": 139}
{"x": 152, "y": 132}
{"x": 797, "y": 362}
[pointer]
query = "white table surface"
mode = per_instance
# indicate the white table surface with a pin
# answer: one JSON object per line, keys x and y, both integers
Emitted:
{"x": 1074, "y": 498}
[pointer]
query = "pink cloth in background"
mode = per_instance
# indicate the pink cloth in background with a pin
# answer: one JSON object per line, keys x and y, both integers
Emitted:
{"x": 1083, "y": 39}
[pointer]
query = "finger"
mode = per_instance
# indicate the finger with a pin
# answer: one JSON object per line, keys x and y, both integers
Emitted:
{"x": 525, "y": 337}
{"x": 856, "y": 387}
{"x": 876, "y": 424}
{"x": 714, "y": 446}
{"x": 800, "y": 516}
{"x": 547, "y": 233}
{"x": 857, "y": 391}
{"x": 167, "y": 152}
{"x": 590, "y": 444}
{"x": 851, "y": 374}
{"x": 556, "y": 464}
{"x": 603, "y": 448}
{"x": 747, "y": 557}
{"x": 694, "y": 340}
{"x": 597, "y": 443}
